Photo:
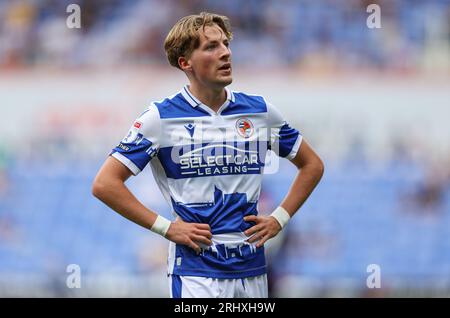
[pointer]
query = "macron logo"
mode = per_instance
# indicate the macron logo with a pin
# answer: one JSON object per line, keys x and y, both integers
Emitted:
{"x": 190, "y": 128}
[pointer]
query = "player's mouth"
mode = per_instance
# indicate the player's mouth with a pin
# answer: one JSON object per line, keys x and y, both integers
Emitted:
{"x": 225, "y": 67}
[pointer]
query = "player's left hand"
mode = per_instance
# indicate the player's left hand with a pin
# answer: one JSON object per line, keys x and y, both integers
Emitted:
{"x": 266, "y": 227}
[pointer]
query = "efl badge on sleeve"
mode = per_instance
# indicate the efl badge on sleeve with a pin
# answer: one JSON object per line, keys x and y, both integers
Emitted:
{"x": 244, "y": 127}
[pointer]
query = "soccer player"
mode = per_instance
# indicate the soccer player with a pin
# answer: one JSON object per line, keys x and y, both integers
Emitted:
{"x": 207, "y": 146}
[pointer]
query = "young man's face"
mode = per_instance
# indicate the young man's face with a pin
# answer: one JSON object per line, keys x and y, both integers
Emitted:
{"x": 211, "y": 61}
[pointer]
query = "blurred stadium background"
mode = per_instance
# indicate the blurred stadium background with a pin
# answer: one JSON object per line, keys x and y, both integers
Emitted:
{"x": 375, "y": 103}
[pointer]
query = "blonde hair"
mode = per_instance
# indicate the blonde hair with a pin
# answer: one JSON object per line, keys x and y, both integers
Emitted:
{"x": 184, "y": 37}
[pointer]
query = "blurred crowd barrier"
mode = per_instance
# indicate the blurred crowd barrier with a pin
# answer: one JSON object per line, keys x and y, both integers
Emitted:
{"x": 79, "y": 114}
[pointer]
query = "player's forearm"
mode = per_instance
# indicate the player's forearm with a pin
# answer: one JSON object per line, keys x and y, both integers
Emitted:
{"x": 304, "y": 183}
{"x": 117, "y": 196}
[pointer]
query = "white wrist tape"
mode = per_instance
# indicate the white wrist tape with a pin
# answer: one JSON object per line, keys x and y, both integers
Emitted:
{"x": 281, "y": 216}
{"x": 161, "y": 225}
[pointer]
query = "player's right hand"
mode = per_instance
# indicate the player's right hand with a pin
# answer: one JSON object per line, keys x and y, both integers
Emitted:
{"x": 190, "y": 234}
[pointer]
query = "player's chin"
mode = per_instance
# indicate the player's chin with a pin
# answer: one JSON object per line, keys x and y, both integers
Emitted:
{"x": 224, "y": 80}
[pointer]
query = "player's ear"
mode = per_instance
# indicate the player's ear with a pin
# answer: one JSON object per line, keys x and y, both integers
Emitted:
{"x": 184, "y": 64}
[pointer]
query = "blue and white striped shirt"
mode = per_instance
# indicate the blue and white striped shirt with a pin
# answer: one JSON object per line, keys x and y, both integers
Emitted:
{"x": 209, "y": 167}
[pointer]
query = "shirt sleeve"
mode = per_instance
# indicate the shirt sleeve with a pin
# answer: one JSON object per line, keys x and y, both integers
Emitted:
{"x": 284, "y": 140}
{"x": 141, "y": 143}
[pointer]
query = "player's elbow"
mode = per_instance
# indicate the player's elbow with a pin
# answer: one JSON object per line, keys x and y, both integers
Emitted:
{"x": 99, "y": 188}
{"x": 317, "y": 168}
{"x": 320, "y": 168}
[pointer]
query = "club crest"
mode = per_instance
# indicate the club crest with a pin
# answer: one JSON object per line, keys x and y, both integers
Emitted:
{"x": 244, "y": 127}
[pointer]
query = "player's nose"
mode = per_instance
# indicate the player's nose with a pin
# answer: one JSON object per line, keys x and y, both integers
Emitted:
{"x": 225, "y": 52}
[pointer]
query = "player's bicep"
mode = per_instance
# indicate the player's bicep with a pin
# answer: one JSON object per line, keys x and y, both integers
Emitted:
{"x": 113, "y": 169}
{"x": 305, "y": 155}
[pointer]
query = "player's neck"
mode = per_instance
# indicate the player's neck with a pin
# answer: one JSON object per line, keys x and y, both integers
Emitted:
{"x": 213, "y": 98}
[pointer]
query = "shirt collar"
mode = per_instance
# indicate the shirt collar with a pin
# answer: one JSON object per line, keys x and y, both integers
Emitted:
{"x": 194, "y": 102}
